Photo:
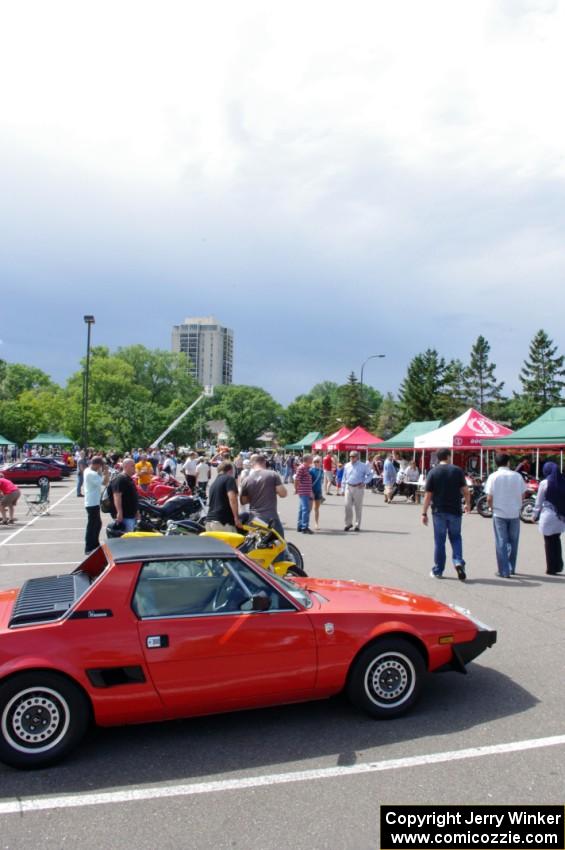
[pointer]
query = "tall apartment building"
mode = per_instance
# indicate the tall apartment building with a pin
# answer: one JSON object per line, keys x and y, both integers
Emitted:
{"x": 209, "y": 347}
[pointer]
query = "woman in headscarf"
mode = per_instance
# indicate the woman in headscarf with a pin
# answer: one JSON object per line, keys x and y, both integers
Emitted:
{"x": 550, "y": 510}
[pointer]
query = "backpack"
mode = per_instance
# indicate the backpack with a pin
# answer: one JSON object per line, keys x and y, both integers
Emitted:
{"x": 106, "y": 501}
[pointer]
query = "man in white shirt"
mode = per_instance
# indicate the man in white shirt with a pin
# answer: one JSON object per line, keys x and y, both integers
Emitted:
{"x": 355, "y": 476}
{"x": 189, "y": 469}
{"x": 203, "y": 475}
{"x": 96, "y": 476}
{"x": 170, "y": 464}
{"x": 505, "y": 491}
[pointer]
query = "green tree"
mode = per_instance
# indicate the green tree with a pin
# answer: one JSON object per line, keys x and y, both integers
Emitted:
{"x": 453, "y": 399}
{"x": 388, "y": 420}
{"x": 163, "y": 374}
{"x": 301, "y": 416}
{"x": 32, "y": 411}
{"x": 352, "y": 408}
{"x": 480, "y": 384}
{"x": 15, "y": 378}
{"x": 542, "y": 375}
{"x": 420, "y": 391}
{"x": 248, "y": 412}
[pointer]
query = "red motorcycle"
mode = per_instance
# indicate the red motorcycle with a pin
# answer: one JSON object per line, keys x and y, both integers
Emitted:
{"x": 162, "y": 487}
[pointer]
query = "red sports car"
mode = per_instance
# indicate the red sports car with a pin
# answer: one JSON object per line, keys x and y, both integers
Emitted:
{"x": 32, "y": 472}
{"x": 155, "y": 628}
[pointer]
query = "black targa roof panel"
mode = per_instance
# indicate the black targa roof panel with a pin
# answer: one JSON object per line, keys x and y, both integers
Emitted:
{"x": 175, "y": 546}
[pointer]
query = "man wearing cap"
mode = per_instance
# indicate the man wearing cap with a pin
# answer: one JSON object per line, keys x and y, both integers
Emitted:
{"x": 355, "y": 476}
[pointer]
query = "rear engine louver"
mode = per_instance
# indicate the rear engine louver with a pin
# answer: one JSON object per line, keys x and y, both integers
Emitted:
{"x": 43, "y": 599}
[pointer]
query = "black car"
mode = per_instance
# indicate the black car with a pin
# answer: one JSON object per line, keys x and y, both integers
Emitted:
{"x": 58, "y": 464}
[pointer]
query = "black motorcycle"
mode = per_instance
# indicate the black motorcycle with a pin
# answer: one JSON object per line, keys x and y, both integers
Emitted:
{"x": 155, "y": 517}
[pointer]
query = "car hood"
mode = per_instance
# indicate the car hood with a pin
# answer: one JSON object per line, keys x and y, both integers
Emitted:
{"x": 345, "y": 595}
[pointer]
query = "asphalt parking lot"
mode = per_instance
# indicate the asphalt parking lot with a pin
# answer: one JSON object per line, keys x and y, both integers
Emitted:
{"x": 313, "y": 776}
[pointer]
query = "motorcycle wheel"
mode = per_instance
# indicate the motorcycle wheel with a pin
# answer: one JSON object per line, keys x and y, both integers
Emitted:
{"x": 296, "y": 556}
{"x": 527, "y": 511}
{"x": 483, "y": 508}
{"x": 296, "y": 572}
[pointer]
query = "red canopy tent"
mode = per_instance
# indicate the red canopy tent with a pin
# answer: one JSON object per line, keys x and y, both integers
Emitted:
{"x": 464, "y": 434}
{"x": 357, "y": 439}
{"x": 329, "y": 444}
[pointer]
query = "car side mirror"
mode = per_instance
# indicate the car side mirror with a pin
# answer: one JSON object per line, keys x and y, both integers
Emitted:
{"x": 261, "y": 601}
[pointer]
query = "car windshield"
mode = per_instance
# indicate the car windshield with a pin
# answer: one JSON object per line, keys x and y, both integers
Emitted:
{"x": 300, "y": 594}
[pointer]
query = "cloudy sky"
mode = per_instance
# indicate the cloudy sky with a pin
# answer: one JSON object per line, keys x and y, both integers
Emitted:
{"x": 330, "y": 180}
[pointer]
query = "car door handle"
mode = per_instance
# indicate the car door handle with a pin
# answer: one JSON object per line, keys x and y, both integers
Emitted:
{"x": 157, "y": 641}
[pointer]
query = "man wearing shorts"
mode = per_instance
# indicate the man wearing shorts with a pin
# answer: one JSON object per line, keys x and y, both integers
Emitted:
{"x": 9, "y": 495}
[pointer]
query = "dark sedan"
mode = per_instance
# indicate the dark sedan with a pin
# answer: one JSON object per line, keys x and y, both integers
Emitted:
{"x": 31, "y": 472}
{"x": 57, "y": 463}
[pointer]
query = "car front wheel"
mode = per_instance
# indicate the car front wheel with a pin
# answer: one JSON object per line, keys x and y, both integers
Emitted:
{"x": 43, "y": 716}
{"x": 386, "y": 678}
{"x": 43, "y": 481}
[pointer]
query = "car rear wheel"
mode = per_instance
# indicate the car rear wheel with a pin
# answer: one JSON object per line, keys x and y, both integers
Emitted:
{"x": 43, "y": 716}
{"x": 43, "y": 481}
{"x": 387, "y": 677}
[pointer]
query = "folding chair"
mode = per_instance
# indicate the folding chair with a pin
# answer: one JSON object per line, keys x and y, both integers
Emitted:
{"x": 40, "y": 504}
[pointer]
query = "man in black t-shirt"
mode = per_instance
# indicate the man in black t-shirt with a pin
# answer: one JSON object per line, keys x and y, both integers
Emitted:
{"x": 445, "y": 486}
{"x": 223, "y": 510}
{"x": 125, "y": 501}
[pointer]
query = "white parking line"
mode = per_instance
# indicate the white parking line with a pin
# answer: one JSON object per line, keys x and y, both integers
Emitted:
{"x": 21, "y": 807}
{"x": 50, "y": 543}
{"x": 34, "y": 520}
{"x": 41, "y": 564}
{"x": 59, "y": 528}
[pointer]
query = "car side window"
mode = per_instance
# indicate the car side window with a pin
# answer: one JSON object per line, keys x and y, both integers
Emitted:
{"x": 258, "y": 584}
{"x": 200, "y": 586}
{"x": 187, "y": 587}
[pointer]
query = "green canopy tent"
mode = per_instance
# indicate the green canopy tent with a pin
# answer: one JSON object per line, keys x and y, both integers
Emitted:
{"x": 404, "y": 440}
{"x": 546, "y": 433}
{"x": 305, "y": 443}
{"x": 5, "y": 442}
{"x": 55, "y": 439}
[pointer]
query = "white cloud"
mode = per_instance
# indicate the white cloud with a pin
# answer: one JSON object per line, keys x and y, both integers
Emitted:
{"x": 152, "y": 93}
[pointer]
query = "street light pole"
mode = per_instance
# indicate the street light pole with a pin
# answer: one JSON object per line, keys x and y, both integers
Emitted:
{"x": 371, "y": 357}
{"x": 89, "y": 321}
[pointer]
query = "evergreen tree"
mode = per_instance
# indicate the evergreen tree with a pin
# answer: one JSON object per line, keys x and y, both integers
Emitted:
{"x": 481, "y": 386}
{"x": 387, "y": 422}
{"x": 453, "y": 399}
{"x": 542, "y": 375}
{"x": 420, "y": 392}
{"x": 352, "y": 408}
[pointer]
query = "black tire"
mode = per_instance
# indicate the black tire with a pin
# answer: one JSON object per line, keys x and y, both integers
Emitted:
{"x": 43, "y": 716}
{"x": 296, "y": 572}
{"x": 483, "y": 508}
{"x": 386, "y": 678}
{"x": 296, "y": 556}
{"x": 527, "y": 511}
{"x": 43, "y": 481}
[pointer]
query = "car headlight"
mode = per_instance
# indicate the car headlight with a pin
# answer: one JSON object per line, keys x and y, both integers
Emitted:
{"x": 466, "y": 613}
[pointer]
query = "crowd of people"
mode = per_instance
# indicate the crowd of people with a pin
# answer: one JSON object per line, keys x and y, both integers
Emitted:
{"x": 250, "y": 484}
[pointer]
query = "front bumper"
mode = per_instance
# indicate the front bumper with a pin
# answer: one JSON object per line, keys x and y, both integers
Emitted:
{"x": 465, "y": 652}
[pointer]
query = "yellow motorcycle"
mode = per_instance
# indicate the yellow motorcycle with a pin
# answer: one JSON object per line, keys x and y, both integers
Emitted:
{"x": 261, "y": 543}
